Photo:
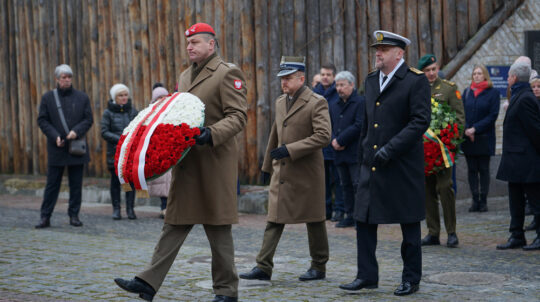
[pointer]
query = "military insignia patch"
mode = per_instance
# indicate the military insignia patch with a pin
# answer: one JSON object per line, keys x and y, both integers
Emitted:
{"x": 238, "y": 84}
{"x": 458, "y": 94}
{"x": 379, "y": 37}
{"x": 416, "y": 70}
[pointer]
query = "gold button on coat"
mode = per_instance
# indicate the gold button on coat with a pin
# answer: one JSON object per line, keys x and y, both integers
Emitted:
{"x": 378, "y": 104}
{"x": 373, "y": 169}
{"x": 376, "y": 125}
{"x": 374, "y": 146}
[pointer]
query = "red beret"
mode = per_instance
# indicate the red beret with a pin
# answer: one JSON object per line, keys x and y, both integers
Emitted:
{"x": 200, "y": 28}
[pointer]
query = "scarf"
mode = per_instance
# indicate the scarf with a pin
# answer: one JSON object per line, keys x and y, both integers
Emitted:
{"x": 477, "y": 88}
{"x": 516, "y": 88}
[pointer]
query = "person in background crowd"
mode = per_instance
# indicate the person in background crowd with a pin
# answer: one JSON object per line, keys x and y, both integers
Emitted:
{"x": 520, "y": 161}
{"x": 78, "y": 117}
{"x": 346, "y": 115}
{"x": 160, "y": 186}
{"x": 391, "y": 185}
{"x": 439, "y": 185}
{"x": 115, "y": 118}
{"x": 327, "y": 88}
{"x": 316, "y": 80}
{"x": 294, "y": 159}
{"x": 482, "y": 103}
{"x": 522, "y": 59}
{"x": 203, "y": 188}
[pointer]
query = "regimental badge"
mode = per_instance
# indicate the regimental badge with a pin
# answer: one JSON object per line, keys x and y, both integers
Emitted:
{"x": 458, "y": 94}
{"x": 187, "y": 32}
{"x": 238, "y": 84}
{"x": 379, "y": 37}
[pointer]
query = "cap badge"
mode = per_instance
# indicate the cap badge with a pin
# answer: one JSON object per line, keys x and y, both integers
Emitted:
{"x": 187, "y": 32}
{"x": 379, "y": 37}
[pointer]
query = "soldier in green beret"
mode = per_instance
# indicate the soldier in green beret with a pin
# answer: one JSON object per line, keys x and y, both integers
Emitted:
{"x": 440, "y": 183}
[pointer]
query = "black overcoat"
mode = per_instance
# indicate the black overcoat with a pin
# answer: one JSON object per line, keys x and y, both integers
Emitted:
{"x": 396, "y": 119}
{"x": 78, "y": 113}
{"x": 115, "y": 118}
{"x": 520, "y": 161}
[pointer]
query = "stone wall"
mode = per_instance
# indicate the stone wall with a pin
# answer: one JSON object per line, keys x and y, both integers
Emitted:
{"x": 502, "y": 48}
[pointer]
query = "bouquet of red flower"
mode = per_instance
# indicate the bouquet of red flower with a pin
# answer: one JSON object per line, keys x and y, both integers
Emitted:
{"x": 157, "y": 139}
{"x": 442, "y": 138}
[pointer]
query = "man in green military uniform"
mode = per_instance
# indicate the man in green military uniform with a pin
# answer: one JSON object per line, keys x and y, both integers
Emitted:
{"x": 440, "y": 183}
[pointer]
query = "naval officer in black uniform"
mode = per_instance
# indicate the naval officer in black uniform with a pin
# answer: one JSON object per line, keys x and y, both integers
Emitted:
{"x": 391, "y": 186}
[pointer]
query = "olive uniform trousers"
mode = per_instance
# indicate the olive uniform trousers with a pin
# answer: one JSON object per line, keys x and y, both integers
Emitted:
{"x": 440, "y": 184}
{"x": 224, "y": 276}
{"x": 318, "y": 246}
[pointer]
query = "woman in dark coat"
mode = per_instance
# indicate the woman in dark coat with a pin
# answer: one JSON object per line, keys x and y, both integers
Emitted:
{"x": 115, "y": 118}
{"x": 481, "y": 102}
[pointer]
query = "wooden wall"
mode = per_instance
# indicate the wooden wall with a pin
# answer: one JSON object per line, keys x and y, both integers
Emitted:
{"x": 140, "y": 42}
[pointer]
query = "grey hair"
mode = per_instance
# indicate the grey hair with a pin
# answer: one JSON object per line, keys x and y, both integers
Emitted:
{"x": 521, "y": 70}
{"x": 345, "y": 75}
{"x": 62, "y": 69}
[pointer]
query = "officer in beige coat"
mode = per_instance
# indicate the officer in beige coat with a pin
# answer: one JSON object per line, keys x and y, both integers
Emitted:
{"x": 294, "y": 158}
{"x": 203, "y": 188}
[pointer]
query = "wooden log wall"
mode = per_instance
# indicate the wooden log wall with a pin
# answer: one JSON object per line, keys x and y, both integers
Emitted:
{"x": 140, "y": 42}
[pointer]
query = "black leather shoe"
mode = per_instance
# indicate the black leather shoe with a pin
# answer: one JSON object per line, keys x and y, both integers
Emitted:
{"x": 452, "y": 240}
{"x": 338, "y": 216}
{"x": 255, "y": 274}
{"x": 312, "y": 274}
{"x": 482, "y": 208}
{"x": 535, "y": 245}
{"x": 406, "y": 288}
{"x": 43, "y": 223}
{"x": 431, "y": 240}
{"x": 74, "y": 221}
{"x": 116, "y": 214}
{"x": 532, "y": 226}
{"x": 345, "y": 223}
{"x": 358, "y": 284}
{"x": 220, "y": 298}
{"x": 512, "y": 243}
{"x": 137, "y": 286}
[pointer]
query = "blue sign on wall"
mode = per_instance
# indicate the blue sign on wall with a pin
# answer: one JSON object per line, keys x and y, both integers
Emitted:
{"x": 499, "y": 77}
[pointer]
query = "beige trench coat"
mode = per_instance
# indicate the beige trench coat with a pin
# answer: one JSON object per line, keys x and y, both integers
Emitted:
{"x": 297, "y": 185}
{"x": 203, "y": 188}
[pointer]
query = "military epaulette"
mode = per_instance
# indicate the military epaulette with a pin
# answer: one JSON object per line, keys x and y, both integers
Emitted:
{"x": 449, "y": 82}
{"x": 416, "y": 70}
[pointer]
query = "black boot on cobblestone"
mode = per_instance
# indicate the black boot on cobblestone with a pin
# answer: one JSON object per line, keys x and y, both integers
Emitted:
{"x": 431, "y": 240}
{"x": 74, "y": 221}
{"x": 129, "y": 209}
{"x": 475, "y": 203}
{"x": 452, "y": 240}
{"x": 137, "y": 286}
{"x": 359, "y": 284}
{"x": 406, "y": 288}
{"x": 45, "y": 222}
{"x": 220, "y": 298}
{"x": 533, "y": 226}
{"x": 312, "y": 274}
{"x": 255, "y": 274}
{"x": 116, "y": 210}
{"x": 512, "y": 243}
{"x": 535, "y": 245}
{"x": 482, "y": 207}
{"x": 338, "y": 216}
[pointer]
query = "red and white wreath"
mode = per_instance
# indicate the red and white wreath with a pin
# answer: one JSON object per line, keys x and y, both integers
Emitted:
{"x": 157, "y": 139}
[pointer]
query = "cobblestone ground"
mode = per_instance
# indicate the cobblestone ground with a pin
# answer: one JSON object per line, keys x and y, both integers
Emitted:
{"x": 63, "y": 263}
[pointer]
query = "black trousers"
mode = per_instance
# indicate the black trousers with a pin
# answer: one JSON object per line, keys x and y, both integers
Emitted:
{"x": 348, "y": 174}
{"x": 411, "y": 252}
{"x": 116, "y": 190}
{"x": 54, "y": 180}
{"x": 516, "y": 196}
{"x": 478, "y": 174}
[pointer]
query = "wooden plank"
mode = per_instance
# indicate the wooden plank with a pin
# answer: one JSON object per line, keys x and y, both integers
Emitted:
{"x": 219, "y": 23}
{"x": 474, "y": 18}
{"x": 400, "y": 17}
{"x": 275, "y": 53}
{"x": 300, "y": 36}
{"x": 327, "y": 53}
{"x": 208, "y": 11}
{"x": 338, "y": 45}
{"x": 251, "y": 167}
{"x": 34, "y": 79}
{"x": 485, "y": 10}
{"x": 162, "y": 40}
{"x": 351, "y": 63}
{"x": 462, "y": 31}
{"x": 313, "y": 43}
{"x": 424, "y": 29}
{"x": 6, "y": 149}
{"x": 449, "y": 30}
{"x": 262, "y": 77}
{"x": 387, "y": 16}
{"x": 437, "y": 29}
{"x": 229, "y": 31}
{"x": 286, "y": 22}
{"x": 94, "y": 75}
{"x": 13, "y": 95}
{"x": 372, "y": 11}
{"x": 153, "y": 41}
{"x": 412, "y": 53}
{"x": 145, "y": 50}
{"x": 364, "y": 38}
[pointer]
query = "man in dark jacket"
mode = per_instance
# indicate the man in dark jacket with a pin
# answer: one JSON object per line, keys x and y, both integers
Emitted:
{"x": 327, "y": 88}
{"x": 78, "y": 115}
{"x": 346, "y": 115}
{"x": 391, "y": 186}
{"x": 520, "y": 161}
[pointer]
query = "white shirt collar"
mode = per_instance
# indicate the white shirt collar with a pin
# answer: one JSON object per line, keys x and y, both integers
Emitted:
{"x": 390, "y": 75}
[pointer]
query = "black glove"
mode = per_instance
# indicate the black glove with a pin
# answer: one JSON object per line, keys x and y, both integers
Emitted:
{"x": 205, "y": 137}
{"x": 265, "y": 178}
{"x": 381, "y": 158}
{"x": 279, "y": 153}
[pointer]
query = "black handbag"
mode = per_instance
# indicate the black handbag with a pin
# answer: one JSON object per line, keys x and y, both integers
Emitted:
{"x": 76, "y": 146}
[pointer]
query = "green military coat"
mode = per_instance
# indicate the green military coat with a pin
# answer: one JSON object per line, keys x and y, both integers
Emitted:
{"x": 447, "y": 92}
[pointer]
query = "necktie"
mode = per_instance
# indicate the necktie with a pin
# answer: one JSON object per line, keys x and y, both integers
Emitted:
{"x": 384, "y": 79}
